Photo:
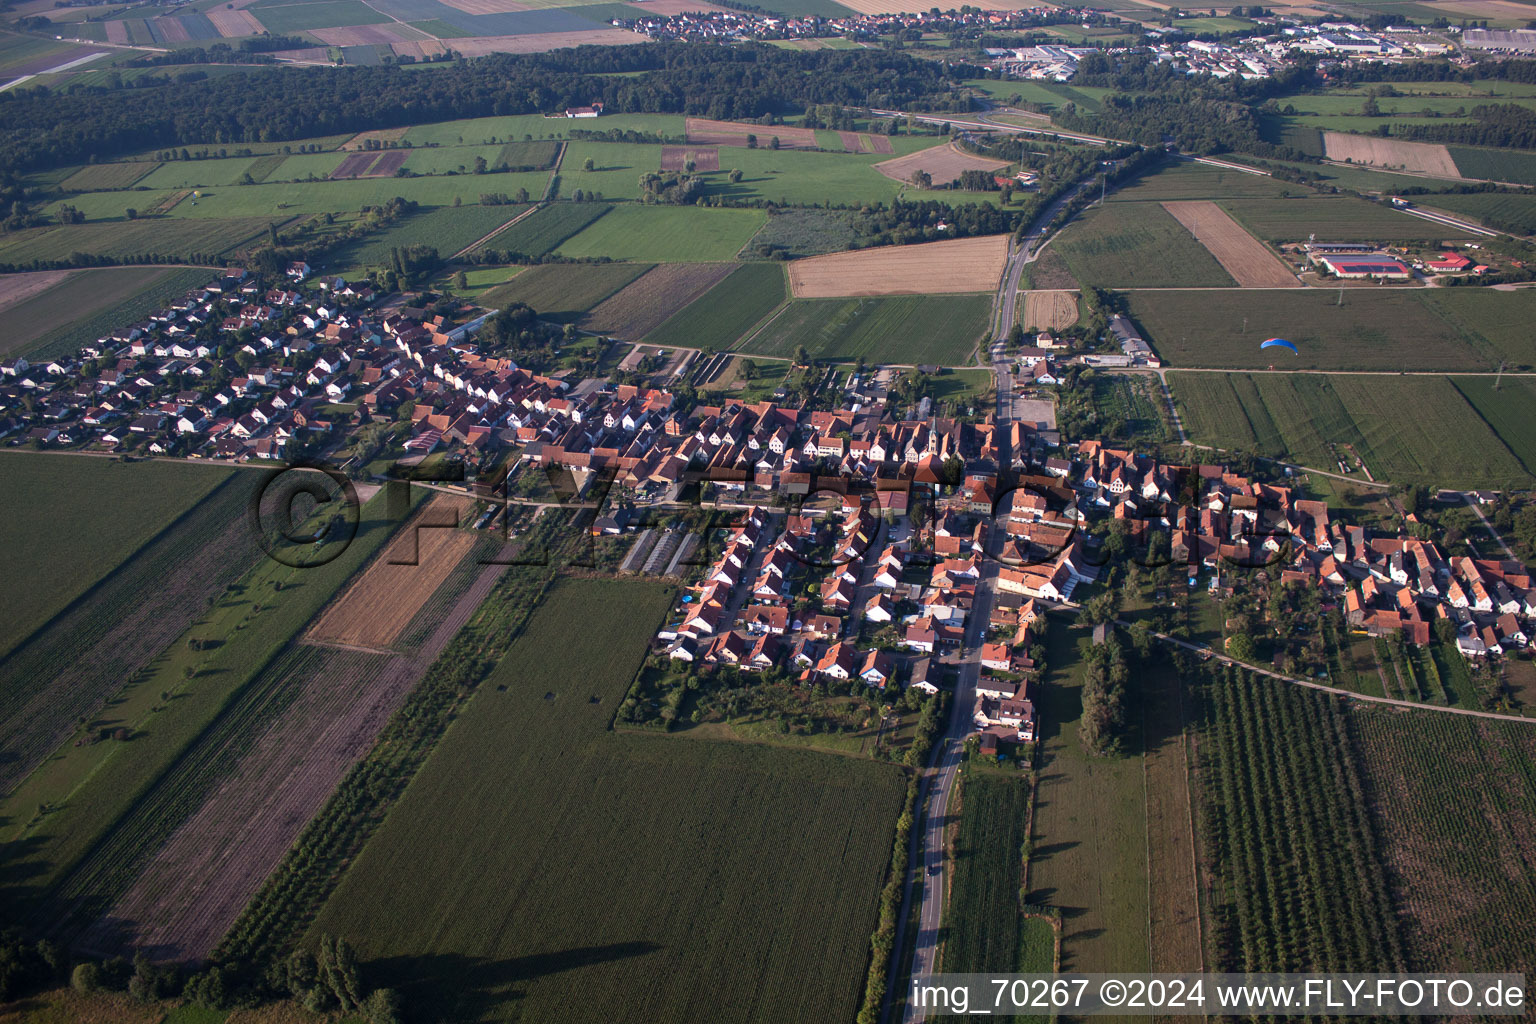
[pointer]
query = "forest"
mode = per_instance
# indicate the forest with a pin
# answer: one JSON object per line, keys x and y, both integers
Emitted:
{"x": 45, "y": 128}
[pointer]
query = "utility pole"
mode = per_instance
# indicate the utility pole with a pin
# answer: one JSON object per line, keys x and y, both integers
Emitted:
{"x": 1499, "y": 379}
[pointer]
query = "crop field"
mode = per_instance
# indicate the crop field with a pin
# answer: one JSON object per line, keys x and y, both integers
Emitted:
{"x": 1332, "y": 220}
{"x": 446, "y": 228}
{"x": 560, "y": 292}
{"x": 1180, "y": 180}
{"x": 1507, "y": 410}
{"x": 15, "y": 289}
{"x": 1249, "y": 261}
{"x": 61, "y": 539}
{"x": 744, "y": 819}
{"x": 943, "y": 164}
{"x": 96, "y": 791}
{"x": 1441, "y": 844}
{"x": 1421, "y": 329}
{"x": 900, "y": 329}
{"x": 1298, "y": 881}
{"x": 725, "y": 313}
{"x": 1174, "y": 931}
{"x": 542, "y": 231}
{"x": 95, "y": 177}
{"x": 1426, "y": 158}
{"x": 1089, "y": 843}
{"x": 1048, "y": 310}
{"x": 653, "y": 297}
{"x": 677, "y": 158}
{"x": 704, "y": 132}
{"x": 44, "y": 323}
{"x": 1505, "y": 212}
{"x": 161, "y": 238}
{"x": 539, "y": 156}
{"x": 75, "y": 662}
{"x": 983, "y": 925}
{"x": 1137, "y": 246}
{"x": 377, "y": 606}
{"x": 1405, "y": 428}
{"x": 957, "y": 266}
{"x": 666, "y": 234}
{"x": 1495, "y": 164}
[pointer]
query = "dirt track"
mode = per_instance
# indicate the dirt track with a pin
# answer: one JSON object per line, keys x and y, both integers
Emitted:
{"x": 932, "y": 268}
{"x": 1248, "y": 260}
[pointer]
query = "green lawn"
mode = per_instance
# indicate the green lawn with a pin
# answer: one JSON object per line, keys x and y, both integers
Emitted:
{"x": 1374, "y": 329}
{"x": 722, "y": 315}
{"x": 630, "y": 869}
{"x": 1137, "y": 245}
{"x": 666, "y": 234}
{"x": 61, "y": 538}
{"x": 902, "y": 329}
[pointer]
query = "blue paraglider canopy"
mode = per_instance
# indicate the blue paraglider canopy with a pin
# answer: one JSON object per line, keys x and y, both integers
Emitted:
{"x": 1279, "y": 343}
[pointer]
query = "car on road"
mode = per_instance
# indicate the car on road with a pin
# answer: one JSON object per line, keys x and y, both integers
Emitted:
{"x": 933, "y": 869}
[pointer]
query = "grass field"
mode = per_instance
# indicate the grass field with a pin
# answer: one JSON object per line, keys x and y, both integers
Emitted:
{"x": 544, "y": 229}
{"x": 1421, "y": 329}
{"x": 61, "y": 537}
{"x": 1495, "y": 164}
{"x": 666, "y": 234}
{"x": 1089, "y": 853}
{"x": 616, "y": 168}
{"x": 632, "y": 868}
{"x": 722, "y": 315}
{"x": 164, "y": 238}
{"x": 1333, "y": 219}
{"x": 1405, "y": 428}
{"x": 901, "y": 329}
{"x": 563, "y": 293}
{"x": 984, "y": 929}
{"x": 446, "y": 228}
{"x": 489, "y": 130}
{"x": 90, "y": 303}
{"x": 1137, "y": 246}
{"x": 1178, "y": 180}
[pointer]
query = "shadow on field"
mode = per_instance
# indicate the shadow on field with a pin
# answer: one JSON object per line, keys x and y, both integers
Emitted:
{"x": 454, "y": 987}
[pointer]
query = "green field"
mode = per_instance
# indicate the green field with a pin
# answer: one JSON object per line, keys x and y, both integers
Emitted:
{"x": 722, "y": 315}
{"x": 1137, "y": 246}
{"x": 1089, "y": 855}
{"x": 1515, "y": 212}
{"x": 631, "y": 869}
{"x": 290, "y": 18}
{"x": 1495, "y": 164}
{"x": 1405, "y": 428}
{"x": 984, "y": 929}
{"x": 164, "y": 240}
{"x": 68, "y": 521}
{"x": 1375, "y": 329}
{"x": 666, "y": 234}
{"x": 95, "y": 177}
{"x": 1331, "y": 219}
{"x": 900, "y": 329}
{"x": 563, "y": 293}
{"x": 489, "y": 130}
{"x": 616, "y": 168}
{"x": 446, "y": 228}
{"x": 544, "y": 229}
{"x": 89, "y": 304}
{"x": 1189, "y": 180}
{"x": 454, "y": 160}
{"x": 1507, "y": 409}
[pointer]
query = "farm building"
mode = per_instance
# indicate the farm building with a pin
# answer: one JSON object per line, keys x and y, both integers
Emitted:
{"x": 1449, "y": 263}
{"x": 1360, "y": 267}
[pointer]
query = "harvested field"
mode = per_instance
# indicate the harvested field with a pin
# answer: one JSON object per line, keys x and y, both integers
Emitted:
{"x": 734, "y": 133}
{"x": 1051, "y": 310}
{"x": 313, "y": 54}
{"x": 425, "y": 48}
{"x": 117, "y": 32}
{"x": 487, "y": 6}
{"x": 168, "y": 204}
{"x": 98, "y": 177}
{"x": 16, "y": 287}
{"x": 668, "y": 8}
{"x": 354, "y": 165}
{"x": 858, "y": 142}
{"x": 377, "y": 607}
{"x": 171, "y": 30}
{"x": 365, "y": 35}
{"x": 1248, "y": 260}
{"x": 233, "y": 24}
{"x": 388, "y": 164}
{"x": 943, "y": 164}
{"x": 675, "y": 158}
{"x": 542, "y": 41}
{"x": 932, "y": 268}
{"x": 361, "y": 139}
{"x": 335, "y": 704}
{"x": 1426, "y": 158}
{"x": 645, "y": 305}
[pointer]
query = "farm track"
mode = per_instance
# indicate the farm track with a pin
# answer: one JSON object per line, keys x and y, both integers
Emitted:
{"x": 234, "y": 806}
{"x": 75, "y": 663}
{"x": 477, "y": 243}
